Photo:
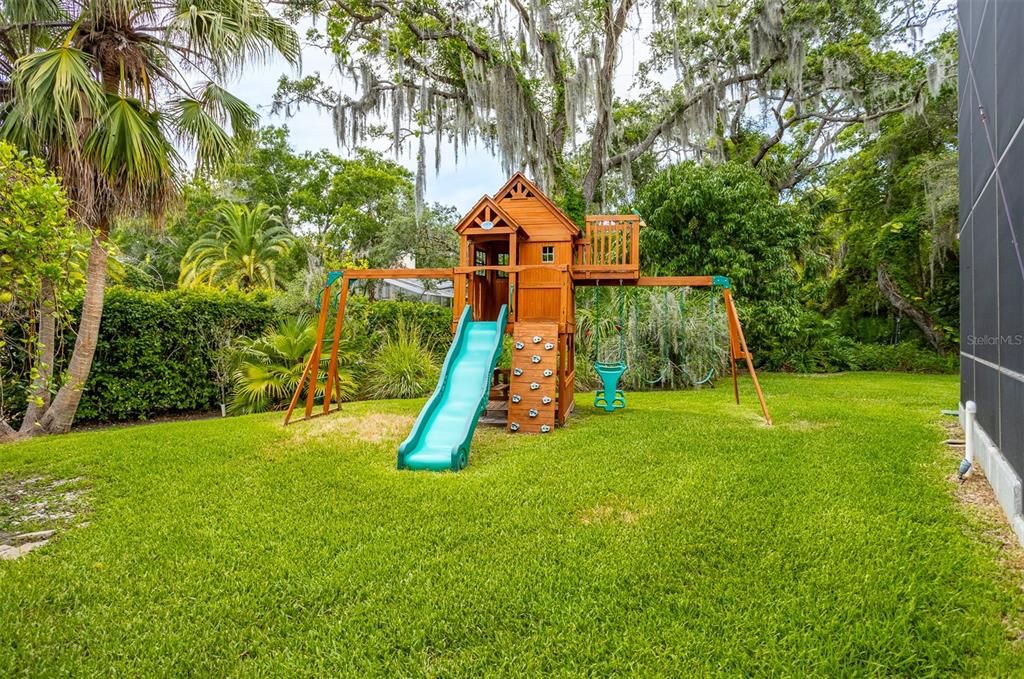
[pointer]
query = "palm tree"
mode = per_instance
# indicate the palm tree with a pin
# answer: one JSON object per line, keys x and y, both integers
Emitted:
{"x": 241, "y": 249}
{"x": 104, "y": 90}
{"x": 270, "y": 366}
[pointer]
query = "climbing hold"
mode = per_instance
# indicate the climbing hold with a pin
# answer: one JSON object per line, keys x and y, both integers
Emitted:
{"x": 519, "y": 345}
{"x": 549, "y": 346}
{"x": 514, "y": 426}
{"x": 516, "y": 398}
{"x": 545, "y": 428}
{"x": 536, "y": 358}
{"x": 534, "y": 386}
{"x": 546, "y": 400}
{"x": 517, "y": 372}
{"x": 537, "y": 339}
{"x": 547, "y": 372}
{"x": 533, "y": 412}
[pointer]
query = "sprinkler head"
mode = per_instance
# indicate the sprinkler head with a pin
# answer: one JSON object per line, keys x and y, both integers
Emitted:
{"x": 965, "y": 466}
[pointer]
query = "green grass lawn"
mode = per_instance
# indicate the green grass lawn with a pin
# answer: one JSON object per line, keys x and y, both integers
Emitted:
{"x": 678, "y": 537}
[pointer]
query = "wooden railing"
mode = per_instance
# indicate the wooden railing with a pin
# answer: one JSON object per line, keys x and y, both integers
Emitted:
{"x": 611, "y": 245}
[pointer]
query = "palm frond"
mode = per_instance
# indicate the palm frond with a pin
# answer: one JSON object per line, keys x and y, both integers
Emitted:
{"x": 127, "y": 142}
{"x": 227, "y": 34}
{"x": 200, "y": 132}
{"x": 55, "y": 93}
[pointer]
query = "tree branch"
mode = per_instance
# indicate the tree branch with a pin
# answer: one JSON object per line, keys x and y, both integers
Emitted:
{"x": 920, "y": 318}
{"x": 670, "y": 116}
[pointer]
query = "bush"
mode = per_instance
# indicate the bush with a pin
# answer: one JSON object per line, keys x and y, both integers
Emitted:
{"x": 403, "y": 367}
{"x": 820, "y": 347}
{"x": 905, "y": 357}
{"x": 727, "y": 220}
{"x": 156, "y": 350}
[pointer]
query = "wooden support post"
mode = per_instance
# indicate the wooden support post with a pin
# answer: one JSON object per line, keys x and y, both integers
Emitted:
{"x": 314, "y": 359}
{"x": 513, "y": 279}
{"x": 298, "y": 392}
{"x": 734, "y": 343}
{"x": 734, "y": 320}
{"x": 332, "y": 370}
{"x": 459, "y": 283}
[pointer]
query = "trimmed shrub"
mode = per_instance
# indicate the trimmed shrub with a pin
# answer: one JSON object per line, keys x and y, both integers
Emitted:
{"x": 157, "y": 350}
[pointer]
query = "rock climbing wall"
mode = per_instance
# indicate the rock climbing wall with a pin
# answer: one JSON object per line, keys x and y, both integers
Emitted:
{"x": 534, "y": 379}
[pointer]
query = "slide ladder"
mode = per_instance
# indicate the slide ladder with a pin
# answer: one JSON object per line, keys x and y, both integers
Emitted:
{"x": 442, "y": 433}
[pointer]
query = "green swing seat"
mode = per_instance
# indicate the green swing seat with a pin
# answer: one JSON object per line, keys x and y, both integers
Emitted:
{"x": 610, "y": 397}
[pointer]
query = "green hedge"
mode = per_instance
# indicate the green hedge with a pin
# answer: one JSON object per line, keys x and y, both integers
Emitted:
{"x": 433, "y": 321}
{"x": 155, "y": 350}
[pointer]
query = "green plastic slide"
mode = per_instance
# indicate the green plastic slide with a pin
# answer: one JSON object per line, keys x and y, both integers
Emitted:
{"x": 442, "y": 433}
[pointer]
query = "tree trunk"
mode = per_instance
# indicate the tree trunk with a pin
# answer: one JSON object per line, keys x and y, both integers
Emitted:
{"x": 61, "y": 413}
{"x": 39, "y": 393}
{"x": 614, "y": 23}
{"x": 920, "y": 317}
{"x": 7, "y": 433}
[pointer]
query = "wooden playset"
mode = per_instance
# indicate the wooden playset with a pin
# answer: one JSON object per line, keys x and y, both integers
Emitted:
{"x": 521, "y": 260}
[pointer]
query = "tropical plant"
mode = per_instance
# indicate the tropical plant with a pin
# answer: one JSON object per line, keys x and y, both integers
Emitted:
{"x": 403, "y": 366}
{"x": 242, "y": 249}
{"x": 669, "y": 338}
{"x": 103, "y": 90}
{"x": 269, "y": 367}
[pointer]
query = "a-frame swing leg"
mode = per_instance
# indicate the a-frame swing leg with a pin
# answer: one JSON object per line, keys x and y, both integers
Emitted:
{"x": 333, "y": 383}
{"x": 737, "y": 350}
{"x": 313, "y": 365}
